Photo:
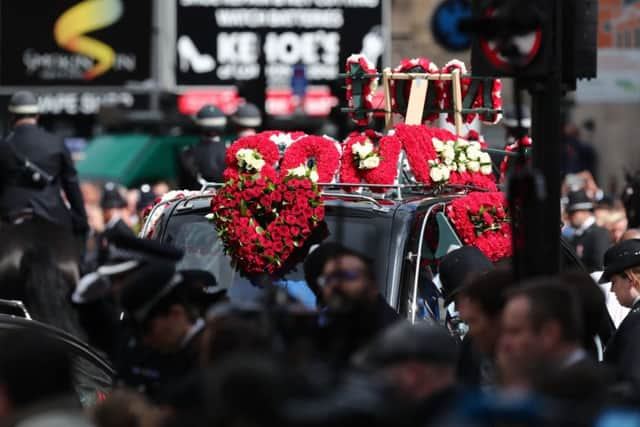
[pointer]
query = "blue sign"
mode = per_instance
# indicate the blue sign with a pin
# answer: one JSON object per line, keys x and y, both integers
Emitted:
{"x": 444, "y": 24}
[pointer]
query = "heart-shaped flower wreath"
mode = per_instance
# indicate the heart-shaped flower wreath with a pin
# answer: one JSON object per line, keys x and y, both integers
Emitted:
{"x": 264, "y": 219}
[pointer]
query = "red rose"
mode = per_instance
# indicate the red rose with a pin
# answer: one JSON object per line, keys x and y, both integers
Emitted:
{"x": 487, "y": 218}
{"x": 289, "y": 196}
{"x": 277, "y": 246}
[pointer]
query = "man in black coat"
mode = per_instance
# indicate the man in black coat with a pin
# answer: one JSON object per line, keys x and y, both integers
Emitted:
{"x": 205, "y": 160}
{"x": 590, "y": 241}
{"x": 622, "y": 268}
{"x": 35, "y": 192}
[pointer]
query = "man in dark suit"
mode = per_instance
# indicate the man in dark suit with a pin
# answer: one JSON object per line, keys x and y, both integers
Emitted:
{"x": 622, "y": 268}
{"x": 589, "y": 240}
{"x": 35, "y": 192}
{"x": 540, "y": 346}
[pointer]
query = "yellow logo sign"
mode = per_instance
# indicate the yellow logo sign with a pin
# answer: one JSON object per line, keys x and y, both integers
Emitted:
{"x": 86, "y": 16}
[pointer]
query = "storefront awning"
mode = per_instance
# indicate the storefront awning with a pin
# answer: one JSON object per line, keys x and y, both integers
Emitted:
{"x": 132, "y": 159}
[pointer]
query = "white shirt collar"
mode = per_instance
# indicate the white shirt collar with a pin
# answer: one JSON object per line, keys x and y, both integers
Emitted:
{"x": 588, "y": 223}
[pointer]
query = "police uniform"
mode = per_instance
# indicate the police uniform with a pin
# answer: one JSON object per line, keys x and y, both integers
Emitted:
{"x": 100, "y": 314}
{"x": 206, "y": 159}
{"x": 49, "y": 154}
{"x": 623, "y": 350}
{"x": 111, "y": 198}
{"x": 141, "y": 366}
{"x": 591, "y": 241}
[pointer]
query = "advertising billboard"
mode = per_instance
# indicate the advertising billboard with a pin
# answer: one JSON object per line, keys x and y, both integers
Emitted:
{"x": 74, "y": 43}
{"x": 259, "y": 43}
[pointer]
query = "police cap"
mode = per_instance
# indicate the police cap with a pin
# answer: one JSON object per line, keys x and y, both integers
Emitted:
{"x": 456, "y": 266}
{"x": 579, "y": 201}
{"x": 211, "y": 117}
{"x": 24, "y": 103}
{"x": 145, "y": 198}
{"x": 111, "y": 197}
{"x": 620, "y": 257}
{"x": 147, "y": 287}
{"x": 247, "y": 116}
{"x": 126, "y": 253}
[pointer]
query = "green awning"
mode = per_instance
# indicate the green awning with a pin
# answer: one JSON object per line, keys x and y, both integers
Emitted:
{"x": 132, "y": 159}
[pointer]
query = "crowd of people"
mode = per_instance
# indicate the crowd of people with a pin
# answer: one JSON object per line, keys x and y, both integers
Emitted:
{"x": 549, "y": 351}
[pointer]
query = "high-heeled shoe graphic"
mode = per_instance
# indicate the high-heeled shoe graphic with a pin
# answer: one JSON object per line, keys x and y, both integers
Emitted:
{"x": 190, "y": 56}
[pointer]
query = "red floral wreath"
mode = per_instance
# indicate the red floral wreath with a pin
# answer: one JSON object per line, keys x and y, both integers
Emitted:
{"x": 447, "y": 91}
{"x": 368, "y": 86}
{"x": 496, "y": 99}
{"x": 388, "y": 149}
{"x": 416, "y": 141}
{"x": 260, "y": 142}
{"x": 525, "y": 142}
{"x": 262, "y": 221}
{"x": 482, "y": 220}
{"x": 417, "y": 65}
{"x": 325, "y": 152}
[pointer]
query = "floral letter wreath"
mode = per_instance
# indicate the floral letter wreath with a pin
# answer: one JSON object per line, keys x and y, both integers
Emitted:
{"x": 400, "y": 89}
{"x": 261, "y": 143}
{"x": 525, "y": 142}
{"x": 482, "y": 220}
{"x": 363, "y": 161}
{"x": 368, "y": 87}
{"x": 447, "y": 91}
{"x": 327, "y": 157}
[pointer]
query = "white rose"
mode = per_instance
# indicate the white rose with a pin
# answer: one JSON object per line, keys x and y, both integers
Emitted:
{"x": 453, "y": 167}
{"x": 257, "y": 164}
{"x": 461, "y": 144}
{"x": 473, "y": 166}
{"x": 449, "y": 153}
{"x": 485, "y": 170}
{"x": 314, "y": 175}
{"x": 476, "y": 145}
{"x": 438, "y": 145}
{"x": 473, "y": 153}
{"x": 371, "y": 162}
{"x": 462, "y": 157}
{"x": 462, "y": 168}
{"x": 485, "y": 158}
{"x": 436, "y": 174}
{"x": 445, "y": 174}
{"x": 362, "y": 150}
{"x": 300, "y": 171}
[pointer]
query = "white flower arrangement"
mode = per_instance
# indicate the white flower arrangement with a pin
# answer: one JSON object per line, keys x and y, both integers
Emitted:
{"x": 365, "y": 155}
{"x": 304, "y": 171}
{"x": 250, "y": 160}
{"x": 458, "y": 156}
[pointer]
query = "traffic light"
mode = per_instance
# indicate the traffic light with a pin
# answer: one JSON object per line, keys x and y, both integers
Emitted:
{"x": 512, "y": 37}
{"x": 579, "y": 40}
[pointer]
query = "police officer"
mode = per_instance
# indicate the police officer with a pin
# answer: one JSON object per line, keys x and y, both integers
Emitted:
{"x": 622, "y": 268}
{"x": 34, "y": 167}
{"x": 589, "y": 240}
{"x": 246, "y": 120}
{"x": 205, "y": 160}
{"x": 167, "y": 323}
{"x": 113, "y": 207}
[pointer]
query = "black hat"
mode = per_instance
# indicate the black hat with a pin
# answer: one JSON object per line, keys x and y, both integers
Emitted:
{"x": 211, "y": 117}
{"x": 405, "y": 341}
{"x": 456, "y": 266}
{"x": 147, "y": 287}
{"x": 111, "y": 197}
{"x": 620, "y": 257}
{"x": 145, "y": 198}
{"x": 126, "y": 253}
{"x": 24, "y": 103}
{"x": 248, "y": 116}
{"x": 579, "y": 201}
{"x": 510, "y": 118}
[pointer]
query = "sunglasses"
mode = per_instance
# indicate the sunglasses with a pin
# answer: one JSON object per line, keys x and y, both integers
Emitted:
{"x": 339, "y": 276}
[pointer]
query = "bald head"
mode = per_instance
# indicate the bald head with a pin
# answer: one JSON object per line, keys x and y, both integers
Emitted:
{"x": 632, "y": 233}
